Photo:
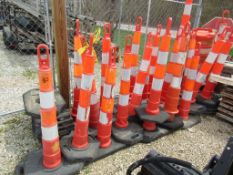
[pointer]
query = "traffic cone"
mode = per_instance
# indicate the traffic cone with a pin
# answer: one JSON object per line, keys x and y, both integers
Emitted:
{"x": 187, "y": 12}
{"x": 107, "y": 104}
{"x": 152, "y": 107}
{"x": 207, "y": 65}
{"x": 136, "y": 96}
{"x": 94, "y": 107}
{"x": 123, "y": 104}
{"x": 106, "y": 49}
{"x": 189, "y": 82}
{"x": 216, "y": 70}
{"x": 49, "y": 128}
{"x": 80, "y": 137}
{"x": 135, "y": 50}
{"x": 77, "y": 69}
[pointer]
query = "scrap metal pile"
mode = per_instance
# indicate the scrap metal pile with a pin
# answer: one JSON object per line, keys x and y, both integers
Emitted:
{"x": 157, "y": 94}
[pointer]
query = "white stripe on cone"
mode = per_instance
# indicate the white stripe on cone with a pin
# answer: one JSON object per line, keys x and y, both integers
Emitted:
{"x": 77, "y": 82}
{"x": 222, "y": 58}
{"x": 134, "y": 70}
{"x": 83, "y": 113}
{"x": 138, "y": 88}
{"x": 157, "y": 84}
{"x": 49, "y": 133}
{"x": 47, "y": 100}
{"x": 187, "y": 95}
{"x": 103, "y": 119}
{"x": 135, "y": 48}
{"x": 152, "y": 70}
{"x": 211, "y": 57}
{"x": 125, "y": 74}
{"x": 168, "y": 77}
{"x": 174, "y": 57}
{"x": 107, "y": 90}
{"x": 176, "y": 81}
{"x": 154, "y": 51}
{"x": 123, "y": 100}
{"x": 192, "y": 74}
{"x": 187, "y": 9}
{"x": 200, "y": 77}
{"x": 105, "y": 58}
{"x": 86, "y": 82}
{"x": 162, "y": 58}
{"x": 144, "y": 65}
{"x": 77, "y": 58}
{"x": 191, "y": 53}
{"x": 94, "y": 98}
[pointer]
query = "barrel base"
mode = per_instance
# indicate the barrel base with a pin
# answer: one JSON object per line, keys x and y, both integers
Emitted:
{"x": 130, "y": 135}
{"x": 176, "y": 124}
{"x": 152, "y": 136}
{"x": 192, "y": 120}
{"x": 32, "y": 165}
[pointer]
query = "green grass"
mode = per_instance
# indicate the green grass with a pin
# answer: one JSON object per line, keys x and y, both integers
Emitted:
{"x": 14, "y": 121}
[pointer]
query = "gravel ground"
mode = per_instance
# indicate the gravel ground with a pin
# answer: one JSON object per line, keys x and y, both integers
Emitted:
{"x": 19, "y": 74}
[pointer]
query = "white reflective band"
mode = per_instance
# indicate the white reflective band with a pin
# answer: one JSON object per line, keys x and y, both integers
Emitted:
{"x": 211, "y": 57}
{"x": 77, "y": 58}
{"x": 152, "y": 70}
{"x": 144, "y": 65}
{"x": 204, "y": 51}
{"x": 192, "y": 74}
{"x": 94, "y": 99}
{"x": 134, "y": 71}
{"x": 221, "y": 28}
{"x": 135, "y": 48}
{"x": 86, "y": 82}
{"x": 187, "y": 95}
{"x": 49, "y": 133}
{"x": 222, "y": 58}
{"x": 155, "y": 51}
{"x": 107, "y": 90}
{"x": 105, "y": 58}
{"x": 191, "y": 53}
{"x": 47, "y": 99}
{"x": 174, "y": 57}
{"x": 138, "y": 88}
{"x": 182, "y": 58}
{"x": 157, "y": 84}
{"x": 186, "y": 71}
{"x": 200, "y": 77}
{"x": 162, "y": 58}
{"x": 168, "y": 77}
{"x": 102, "y": 81}
{"x": 187, "y": 9}
{"x": 103, "y": 118}
{"x": 83, "y": 113}
{"x": 210, "y": 79}
{"x": 123, "y": 100}
{"x": 176, "y": 81}
{"x": 77, "y": 82}
{"x": 125, "y": 74}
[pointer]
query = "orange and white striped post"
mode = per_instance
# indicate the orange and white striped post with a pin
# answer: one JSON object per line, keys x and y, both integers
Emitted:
{"x": 107, "y": 104}
{"x": 189, "y": 83}
{"x": 208, "y": 64}
{"x": 135, "y": 50}
{"x": 106, "y": 50}
{"x": 77, "y": 69}
{"x": 136, "y": 96}
{"x": 49, "y": 128}
{"x": 123, "y": 104}
{"x": 216, "y": 70}
{"x": 95, "y": 107}
{"x": 157, "y": 83}
{"x": 80, "y": 137}
{"x": 154, "y": 55}
{"x": 187, "y": 12}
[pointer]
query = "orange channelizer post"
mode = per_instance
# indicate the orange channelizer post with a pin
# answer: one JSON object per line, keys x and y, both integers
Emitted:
{"x": 216, "y": 70}
{"x": 123, "y": 104}
{"x": 106, "y": 50}
{"x": 187, "y": 12}
{"x": 154, "y": 55}
{"x": 107, "y": 104}
{"x": 208, "y": 64}
{"x": 95, "y": 107}
{"x": 77, "y": 69}
{"x": 136, "y": 96}
{"x": 80, "y": 137}
{"x": 152, "y": 107}
{"x": 176, "y": 69}
{"x": 49, "y": 128}
{"x": 189, "y": 83}
{"x": 135, "y": 50}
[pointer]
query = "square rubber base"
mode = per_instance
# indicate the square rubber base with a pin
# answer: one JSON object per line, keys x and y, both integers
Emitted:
{"x": 158, "y": 118}
{"x": 130, "y": 135}
{"x": 73, "y": 154}
{"x": 32, "y": 165}
{"x": 200, "y": 109}
{"x": 176, "y": 124}
{"x": 152, "y": 136}
{"x": 193, "y": 120}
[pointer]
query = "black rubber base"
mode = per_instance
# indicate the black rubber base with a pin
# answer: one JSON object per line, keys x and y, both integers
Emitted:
{"x": 193, "y": 120}
{"x": 200, "y": 109}
{"x": 211, "y": 103}
{"x": 176, "y": 124}
{"x": 32, "y": 165}
{"x": 158, "y": 118}
{"x": 152, "y": 136}
{"x": 130, "y": 135}
{"x": 32, "y": 102}
{"x": 73, "y": 154}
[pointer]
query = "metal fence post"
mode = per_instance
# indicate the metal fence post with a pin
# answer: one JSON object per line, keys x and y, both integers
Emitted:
{"x": 198, "y": 15}
{"x": 147, "y": 19}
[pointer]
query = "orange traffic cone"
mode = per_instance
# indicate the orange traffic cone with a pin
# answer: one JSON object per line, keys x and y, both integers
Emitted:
{"x": 187, "y": 12}
{"x": 49, "y": 128}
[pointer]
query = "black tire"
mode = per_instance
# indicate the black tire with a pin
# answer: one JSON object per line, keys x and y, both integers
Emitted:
{"x": 9, "y": 38}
